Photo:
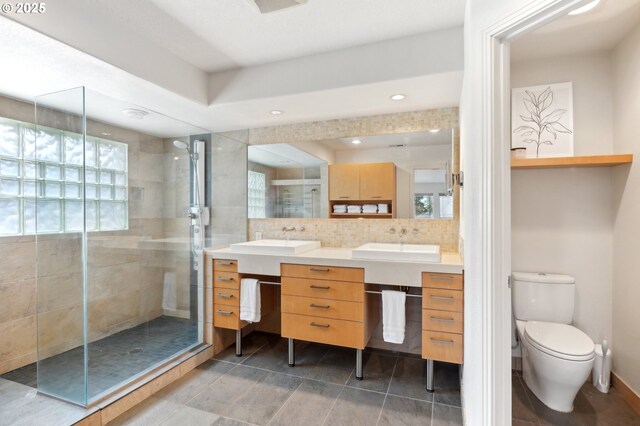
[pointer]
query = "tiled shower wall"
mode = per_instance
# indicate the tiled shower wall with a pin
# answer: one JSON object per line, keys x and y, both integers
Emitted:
{"x": 126, "y": 269}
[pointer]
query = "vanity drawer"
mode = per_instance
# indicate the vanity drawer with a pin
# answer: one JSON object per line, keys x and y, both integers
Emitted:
{"x": 349, "y": 334}
{"x": 226, "y": 280}
{"x": 442, "y": 300}
{"x": 451, "y": 322}
{"x": 226, "y": 296}
{"x": 227, "y": 317}
{"x": 326, "y": 308}
{"x": 445, "y": 281}
{"x": 225, "y": 265}
{"x": 440, "y": 346}
{"x": 323, "y": 272}
{"x": 334, "y": 290}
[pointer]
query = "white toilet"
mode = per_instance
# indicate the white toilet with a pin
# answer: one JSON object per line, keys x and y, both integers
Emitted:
{"x": 556, "y": 357}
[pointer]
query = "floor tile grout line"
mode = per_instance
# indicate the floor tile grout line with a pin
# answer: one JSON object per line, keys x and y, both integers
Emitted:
{"x": 387, "y": 392}
{"x": 285, "y": 402}
{"x": 207, "y": 386}
{"x": 335, "y": 401}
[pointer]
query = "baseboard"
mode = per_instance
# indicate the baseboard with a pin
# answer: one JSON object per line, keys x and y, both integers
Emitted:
{"x": 629, "y": 395}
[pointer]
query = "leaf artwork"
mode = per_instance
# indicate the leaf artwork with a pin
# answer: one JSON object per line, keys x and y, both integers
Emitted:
{"x": 544, "y": 122}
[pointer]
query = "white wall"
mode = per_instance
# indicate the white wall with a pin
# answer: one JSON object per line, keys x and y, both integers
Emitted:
{"x": 406, "y": 159}
{"x": 592, "y": 95}
{"x": 626, "y": 288}
{"x": 562, "y": 220}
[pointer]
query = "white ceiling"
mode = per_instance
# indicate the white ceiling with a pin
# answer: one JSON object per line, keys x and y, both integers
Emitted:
{"x": 443, "y": 137}
{"x": 223, "y": 34}
{"x": 596, "y": 31}
{"x": 133, "y": 51}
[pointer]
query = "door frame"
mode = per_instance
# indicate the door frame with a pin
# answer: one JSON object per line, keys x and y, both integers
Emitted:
{"x": 496, "y": 191}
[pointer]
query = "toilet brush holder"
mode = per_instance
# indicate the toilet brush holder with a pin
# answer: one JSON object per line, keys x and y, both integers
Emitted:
{"x": 601, "y": 379}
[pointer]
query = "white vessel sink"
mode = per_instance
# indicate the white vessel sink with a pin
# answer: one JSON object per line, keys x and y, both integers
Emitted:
{"x": 399, "y": 252}
{"x": 283, "y": 247}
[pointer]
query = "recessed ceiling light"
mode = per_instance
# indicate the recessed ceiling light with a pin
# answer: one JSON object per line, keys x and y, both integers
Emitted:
{"x": 276, "y": 112}
{"x": 398, "y": 97}
{"x": 136, "y": 114}
{"x": 356, "y": 141}
{"x": 105, "y": 133}
{"x": 584, "y": 9}
{"x": 434, "y": 130}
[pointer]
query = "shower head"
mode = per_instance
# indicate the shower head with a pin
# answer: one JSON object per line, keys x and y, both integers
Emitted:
{"x": 180, "y": 145}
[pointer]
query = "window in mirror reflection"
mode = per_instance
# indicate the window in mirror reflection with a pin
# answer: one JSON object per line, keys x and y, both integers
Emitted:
{"x": 257, "y": 195}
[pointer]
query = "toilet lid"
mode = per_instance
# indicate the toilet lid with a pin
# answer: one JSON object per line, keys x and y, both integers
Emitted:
{"x": 561, "y": 340}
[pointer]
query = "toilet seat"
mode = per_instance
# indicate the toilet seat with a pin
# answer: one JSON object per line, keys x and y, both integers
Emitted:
{"x": 559, "y": 340}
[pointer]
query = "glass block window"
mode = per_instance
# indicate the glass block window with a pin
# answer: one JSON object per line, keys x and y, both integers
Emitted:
{"x": 257, "y": 199}
{"x": 46, "y": 187}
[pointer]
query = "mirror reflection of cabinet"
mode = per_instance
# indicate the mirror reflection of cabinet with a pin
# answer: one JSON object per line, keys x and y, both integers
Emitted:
{"x": 344, "y": 182}
{"x": 362, "y": 184}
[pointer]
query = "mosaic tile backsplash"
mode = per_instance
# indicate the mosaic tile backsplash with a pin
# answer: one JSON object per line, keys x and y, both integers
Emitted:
{"x": 355, "y": 232}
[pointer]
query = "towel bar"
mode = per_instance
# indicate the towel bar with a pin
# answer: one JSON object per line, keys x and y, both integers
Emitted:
{"x": 408, "y": 294}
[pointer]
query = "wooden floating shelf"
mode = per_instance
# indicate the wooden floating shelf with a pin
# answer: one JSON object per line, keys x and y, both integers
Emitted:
{"x": 566, "y": 162}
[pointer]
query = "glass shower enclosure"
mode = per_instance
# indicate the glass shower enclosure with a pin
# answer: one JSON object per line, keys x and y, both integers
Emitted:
{"x": 111, "y": 193}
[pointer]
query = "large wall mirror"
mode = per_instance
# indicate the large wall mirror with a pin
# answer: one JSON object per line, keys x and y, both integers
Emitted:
{"x": 403, "y": 175}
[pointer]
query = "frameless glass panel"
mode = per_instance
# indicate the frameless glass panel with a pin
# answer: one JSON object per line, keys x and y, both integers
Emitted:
{"x": 62, "y": 371}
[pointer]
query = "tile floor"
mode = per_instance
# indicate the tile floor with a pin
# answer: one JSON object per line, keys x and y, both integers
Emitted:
{"x": 260, "y": 388}
{"x": 591, "y": 408}
{"x": 112, "y": 360}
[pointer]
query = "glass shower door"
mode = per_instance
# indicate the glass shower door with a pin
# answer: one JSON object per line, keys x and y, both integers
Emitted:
{"x": 54, "y": 211}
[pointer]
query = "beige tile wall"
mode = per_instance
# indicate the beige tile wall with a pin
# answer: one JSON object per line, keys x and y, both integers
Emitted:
{"x": 355, "y": 232}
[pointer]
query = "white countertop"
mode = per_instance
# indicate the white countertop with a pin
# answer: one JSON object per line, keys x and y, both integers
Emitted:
{"x": 375, "y": 271}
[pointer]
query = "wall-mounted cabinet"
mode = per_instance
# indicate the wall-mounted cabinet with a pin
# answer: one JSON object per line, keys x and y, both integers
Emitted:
{"x": 362, "y": 184}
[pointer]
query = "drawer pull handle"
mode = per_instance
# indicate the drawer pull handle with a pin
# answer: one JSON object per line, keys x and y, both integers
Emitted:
{"x": 224, "y": 312}
{"x": 342, "y": 196}
{"x": 376, "y": 196}
{"x": 442, "y": 297}
{"x": 222, "y": 262}
{"x": 319, "y": 287}
{"x": 313, "y": 305}
{"x": 442, "y": 342}
{"x": 315, "y": 324}
{"x": 319, "y": 269}
{"x": 440, "y": 278}
{"x": 439, "y": 319}
{"x": 224, "y": 295}
{"x": 224, "y": 279}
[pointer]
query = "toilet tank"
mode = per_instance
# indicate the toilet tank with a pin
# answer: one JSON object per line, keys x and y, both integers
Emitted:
{"x": 538, "y": 296}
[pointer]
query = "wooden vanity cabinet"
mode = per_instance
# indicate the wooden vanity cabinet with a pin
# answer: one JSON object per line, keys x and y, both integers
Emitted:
{"x": 324, "y": 304}
{"x": 226, "y": 295}
{"x": 442, "y": 317}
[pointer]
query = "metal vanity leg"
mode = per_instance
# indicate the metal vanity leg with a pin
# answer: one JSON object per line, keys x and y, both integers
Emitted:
{"x": 292, "y": 353}
{"x": 429, "y": 375}
{"x": 359, "y": 364}
{"x": 239, "y": 342}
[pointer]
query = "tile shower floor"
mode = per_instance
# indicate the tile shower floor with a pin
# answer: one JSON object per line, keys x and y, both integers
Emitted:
{"x": 591, "y": 407}
{"x": 112, "y": 360}
{"x": 260, "y": 388}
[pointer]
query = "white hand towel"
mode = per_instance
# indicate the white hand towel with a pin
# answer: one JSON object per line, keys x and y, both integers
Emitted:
{"x": 393, "y": 316}
{"x": 383, "y": 208}
{"x": 370, "y": 208}
{"x": 249, "y": 300}
{"x": 354, "y": 209}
